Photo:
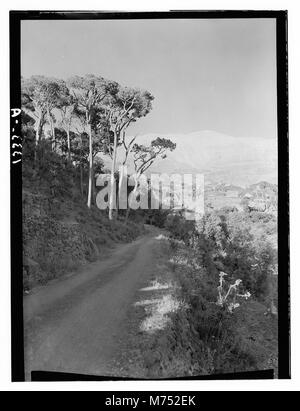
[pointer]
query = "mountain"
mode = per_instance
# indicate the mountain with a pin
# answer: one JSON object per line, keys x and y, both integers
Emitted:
{"x": 222, "y": 158}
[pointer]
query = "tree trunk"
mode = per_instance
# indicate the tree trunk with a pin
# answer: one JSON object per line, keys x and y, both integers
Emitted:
{"x": 53, "y": 136}
{"x": 112, "y": 178}
{"x": 128, "y": 207}
{"x": 52, "y": 131}
{"x": 81, "y": 169}
{"x": 37, "y": 137}
{"x": 81, "y": 181}
{"x": 38, "y": 133}
{"x": 69, "y": 145}
{"x": 121, "y": 178}
{"x": 89, "y": 200}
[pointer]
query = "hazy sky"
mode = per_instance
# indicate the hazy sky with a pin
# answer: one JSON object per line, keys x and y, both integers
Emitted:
{"x": 205, "y": 74}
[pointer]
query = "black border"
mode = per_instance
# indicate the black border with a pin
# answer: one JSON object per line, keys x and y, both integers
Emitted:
{"x": 65, "y": 376}
{"x": 284, "y": 365}
{"x": 17, "y": 334}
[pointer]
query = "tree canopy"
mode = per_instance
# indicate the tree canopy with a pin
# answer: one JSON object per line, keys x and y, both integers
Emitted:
{"x": 86, "y": 116}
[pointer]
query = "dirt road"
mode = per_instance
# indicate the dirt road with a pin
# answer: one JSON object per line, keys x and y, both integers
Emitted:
{"x": 74, "y": 324}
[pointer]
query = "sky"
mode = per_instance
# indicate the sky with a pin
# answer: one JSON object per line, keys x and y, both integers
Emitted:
{"x": 209, "y": 74}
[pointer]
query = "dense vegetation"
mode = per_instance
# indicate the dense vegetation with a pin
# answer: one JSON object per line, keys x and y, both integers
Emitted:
{"x": 225, "y": 247}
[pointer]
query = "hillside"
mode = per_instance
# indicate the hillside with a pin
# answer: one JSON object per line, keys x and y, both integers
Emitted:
{"x": 60, "y": 233}
{"x": 257, "y": 197}
{"x": 222, "y": 158}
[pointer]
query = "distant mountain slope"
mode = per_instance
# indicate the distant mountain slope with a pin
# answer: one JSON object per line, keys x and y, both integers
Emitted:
{"x": 233, "y": 160}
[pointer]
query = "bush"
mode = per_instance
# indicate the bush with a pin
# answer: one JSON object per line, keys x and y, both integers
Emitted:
{"x": 179, "y": 228}
{"x": 212, "y": 331}
{"x": 235, "y": 243}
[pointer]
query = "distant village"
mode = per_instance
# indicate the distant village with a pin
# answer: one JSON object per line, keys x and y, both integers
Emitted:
{"x": 256, "y": 197}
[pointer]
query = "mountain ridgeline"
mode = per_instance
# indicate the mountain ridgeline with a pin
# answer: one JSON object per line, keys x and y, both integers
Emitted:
{"x": 241, "y": 161}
